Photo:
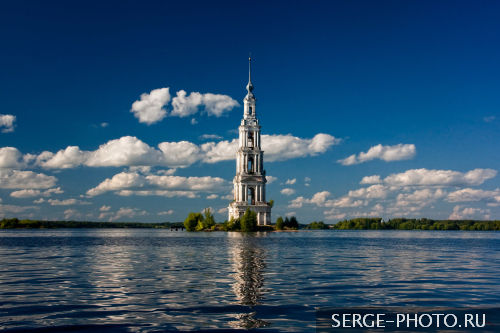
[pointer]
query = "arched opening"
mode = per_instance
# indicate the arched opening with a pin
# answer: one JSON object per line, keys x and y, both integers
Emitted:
{"x": 250, "y": 164}
{"x": 251, "y": 196}
{"x": 250, "y": 140}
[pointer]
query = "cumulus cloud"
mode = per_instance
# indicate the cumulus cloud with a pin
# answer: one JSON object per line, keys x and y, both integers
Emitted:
{"x": 212, "y": 196}
{"x": 185, "y": 105}
{"x": 271, "y": 179}
{"x": 14, "y": 209}
{"x": 131, "y": 151}
{"x": 211, "y": 137}
{"x": 371, "y": 180}
{"x": 287, "y": 191}
{"x": 216, "y": 104}
{"x": 150, "y": 108}
{"x": 127, "y": 213}
{"x": 291, "y": 181}
{"x": 179, "y": 154}
{"x": 461, "y": 213}
{"x": 67, "y": 202}
{"x": 70, "y": 157}
{"x": 11, "y": 158}
{"x": 469, "y": 195}
{"x": 166, "y": 212}
{"x": 419, "y": 198}
{"x": 133, "y": 183}
{"x": 30, "y": 193}
{"x": 7, "y": 123}
{"x": 105, "y": 208}
{"x": 386, "y": 153}
{"x": 17, "y": 179}
{"x": 425, "y": 177}
{"x": 284, "y": 147}
{"x": 489, "y": 119}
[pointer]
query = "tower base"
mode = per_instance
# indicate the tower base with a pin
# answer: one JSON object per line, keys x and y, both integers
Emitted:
{"x": 263, "y": 211}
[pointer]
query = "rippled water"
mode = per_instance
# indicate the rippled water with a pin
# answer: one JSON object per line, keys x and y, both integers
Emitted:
{"x": 119, "y": 280}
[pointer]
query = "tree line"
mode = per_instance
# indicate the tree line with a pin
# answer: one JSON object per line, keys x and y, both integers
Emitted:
{"x": 414, "y": 224}
{"x": 14, "y": 223}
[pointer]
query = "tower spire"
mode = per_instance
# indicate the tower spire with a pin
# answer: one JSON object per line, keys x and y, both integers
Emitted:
{"x": 250, "y": 68}
{"x": 250, "y": 85}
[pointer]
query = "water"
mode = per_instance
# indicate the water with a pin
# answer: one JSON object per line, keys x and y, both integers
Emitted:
{"x": 147, "y": 280}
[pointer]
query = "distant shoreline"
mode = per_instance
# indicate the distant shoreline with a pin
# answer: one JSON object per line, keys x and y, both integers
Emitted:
{"x": 353, "y": 224}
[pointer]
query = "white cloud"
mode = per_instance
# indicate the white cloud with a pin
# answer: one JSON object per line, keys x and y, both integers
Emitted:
{"x": 30, "y": 193}
{"x": 318, "y": 199}
{"x": 160, "y": 193}
{"x": 105, "y": 208}
{"x": 39, "y": 201}
{"x": 122, "y": 180}
{"x": 14, "y": 209}
{"x": 271, "y": 179}
{"x": 132, "y": 183}
{"x": 71, "y": 214}
{"x": 66, "y": 202}
{"x": 70, "y": 157}
{"x": 7, "y": 123}
{"x": 489, "y": 119}
{"x": 166, "y": 212}
{"x": 387, "y": 153}
{"x": 128, "y": 213}
{"x": 228, "y": 197}
{"x": 16, "y": 179}
{"x": 130, "y": 151}
{"x": 104, "y": 124}
{"x": 284, "y": 147}
{"x": 216, "y": 104}
{"x": 440, "y": 177}
{"x": 469, "y": 194}
{"x": 291, "y": 181}
{"x": 211, "y": 137}
{"x": 150, "y": 108}
{"x": 179, "y": 154}
{"x": 334, "y": 214}
{"x": 371, "y": 192}
{"x": 185, "y": 105}
{"x": 127, "y": 150}
{"x": 419, "y": 198}
{"x": 222, "y": 210}
{"x": 287, "y": 191}
{"x": 425, "y": 177}
{"x": 212, "y": 196}
{"x": 194, "y": 121}
{"x": 11, "y": 158}
{"x": 461, "y": 213}
{"x": 371, "y": 180}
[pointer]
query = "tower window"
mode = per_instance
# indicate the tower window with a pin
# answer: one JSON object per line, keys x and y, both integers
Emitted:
{"x": 250, "y": 164}
{"x": 250, "y": 140}
{"x": 251, "y": 196}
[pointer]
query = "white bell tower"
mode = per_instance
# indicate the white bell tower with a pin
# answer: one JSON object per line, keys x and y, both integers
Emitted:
{"x": 250, "y": 180}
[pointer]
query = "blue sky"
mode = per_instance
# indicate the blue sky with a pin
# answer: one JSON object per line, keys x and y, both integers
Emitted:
{"x": 411, "y": 89}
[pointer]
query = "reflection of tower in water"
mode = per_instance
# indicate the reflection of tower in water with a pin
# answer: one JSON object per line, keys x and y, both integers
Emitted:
{"x": 248, "y": 266}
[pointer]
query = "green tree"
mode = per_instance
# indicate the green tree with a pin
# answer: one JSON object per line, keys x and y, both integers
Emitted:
{"x": 209, "y": 220}
{"x": 248, "y": 221}
{"x": 294, "y": 224}
{"x": 271, "y": 203}
{"x": 317, "y": 225}
{"x": 279, "y": 223}
{"x": 191, "y": 222}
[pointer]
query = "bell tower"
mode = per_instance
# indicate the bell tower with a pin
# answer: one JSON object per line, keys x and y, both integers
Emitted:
{"x": 250, "y": 180}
